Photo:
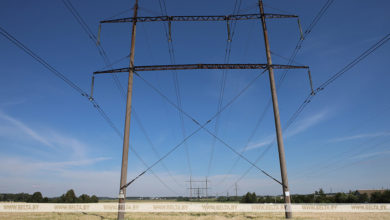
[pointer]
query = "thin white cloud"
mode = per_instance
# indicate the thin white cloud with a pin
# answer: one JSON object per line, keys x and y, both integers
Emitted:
{"x": 72, "y": 163}
{"x": 264, "y": 142}
{"x": 302, "y": 126}
{"x": 23, "y": 166}
{"x": 360, "y": 136}
{"x": 360, "y": 156}
{"x": 11, "y": 103}
{"x": 27, "y": 176}
{"x": 47, "y": 137}
{"x": 67, "y": 166}
{"x": 25, "y": 129}
{"x": 77, "y": 148}
{"x": 306, "y": 123}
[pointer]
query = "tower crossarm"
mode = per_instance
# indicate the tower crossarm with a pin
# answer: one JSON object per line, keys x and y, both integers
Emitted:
{"x": 200, "y": 66}
{"x": 198, "y": 18}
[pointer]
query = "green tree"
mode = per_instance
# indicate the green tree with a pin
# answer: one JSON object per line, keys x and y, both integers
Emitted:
{"x": 386, "y": 196}
{"x": 70, "y": 197}
{"x": 269, "y": 199}
{"x": 376, "y": 197}
{"x": 180, "y": 198}
{"x": 36, "y": 197}
{"x": 302, "y": 198}
{"x": 84, "y": 198}
{"x": 222, "y": 199}
{"x": 20, "y": 197}
{"x": 320, "y": 196}
{"x": 363, "y": 198}
{"x": 94, "y": 199}
{"x": 261, "y": 199}
{"x": 340, "y": 198}
{"x": 352, "y": 198}
{"x": 249, "y": 198}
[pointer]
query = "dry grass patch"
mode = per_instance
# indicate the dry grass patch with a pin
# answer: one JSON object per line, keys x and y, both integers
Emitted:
{"x": 196, "y": 216}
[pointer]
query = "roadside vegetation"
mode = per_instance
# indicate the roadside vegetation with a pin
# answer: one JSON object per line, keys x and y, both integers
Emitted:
{"x": 320, "y": 197}
{"x": 68, "y": 197}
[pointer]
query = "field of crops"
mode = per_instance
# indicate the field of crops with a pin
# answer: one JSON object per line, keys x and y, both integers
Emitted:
{"x": 193, "y": 216}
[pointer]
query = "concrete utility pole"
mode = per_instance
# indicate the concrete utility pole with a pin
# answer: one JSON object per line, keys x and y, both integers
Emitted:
{"x": 190, "y": 187}
{"x": 278, "y": 127}
{"x": 125, "y": 153}
{"x": 236, "y": 189}
{"x": 206, "y": 189}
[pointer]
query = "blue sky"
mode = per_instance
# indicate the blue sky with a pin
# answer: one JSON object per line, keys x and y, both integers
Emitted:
{"x": 52, "y": 139}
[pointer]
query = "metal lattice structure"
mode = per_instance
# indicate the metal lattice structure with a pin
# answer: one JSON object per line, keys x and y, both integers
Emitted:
{"x": 198, "y": 18}
{"x": 200, "y": 66}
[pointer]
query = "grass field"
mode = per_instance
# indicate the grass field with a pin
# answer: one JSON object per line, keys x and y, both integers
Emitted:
{"x": 193, "y": 216}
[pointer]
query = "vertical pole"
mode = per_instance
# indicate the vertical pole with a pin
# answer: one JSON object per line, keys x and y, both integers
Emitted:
{"x": 92, "y": 85}
{"x": 228, "y": 29}
{"x": 206, "y": 189}
{"x": 236, "y": 189}
{"x": 190, "y": 187}
{"x": 170, "y": 29}
{"x": 278, "y": 128}
{"x": 125, "y": 153}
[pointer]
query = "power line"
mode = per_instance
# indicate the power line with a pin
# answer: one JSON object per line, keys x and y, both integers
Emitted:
{"x": 61, "y": 76}
{"x": 118, "y": 84}
{"x": 347, "y": 152}
{"x": 274, "y": 8}
{"x": 175, "y": 78}
{"x": 295, "y": 115}
{"x": 242, "y": 156}
{"x": 153, "y": 173}
{"x": 94, "y": 39}
{"x": 290, "y": 61}
{"x": 229, "y": 40}
{"x": 363, "y": 147}
{"x": 115, "y": 62}
{"x": 43, "y": 62}
{"x": 349, "y": 66}
{"x": 200, "y": 126}
{"x": 148, "y": 11}
{"x": 69, "y": 83}
{"x": 119, "y": 13}
{"x": 79, "y": 19}
{"x": 149, "y": 140}
{"x": 285, "y": 58}
{"x": 373, "y": 48}
{"x": 334, "y": 166}
{"x": 185, "y": 113}
{"x": 165, "y": 155}
{"x": 319, "y": 15}
{"x": 142, "y": 127}
{"x": 251, "y": 136}
{"x": 298, "y": 46}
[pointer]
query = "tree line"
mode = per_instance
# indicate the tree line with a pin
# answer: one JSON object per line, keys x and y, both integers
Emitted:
{"x": 68, "y": 197}
{"x": 321, "y": 197}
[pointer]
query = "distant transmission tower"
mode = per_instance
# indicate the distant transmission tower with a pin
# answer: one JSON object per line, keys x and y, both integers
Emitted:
{"x": 199, "y": 188}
